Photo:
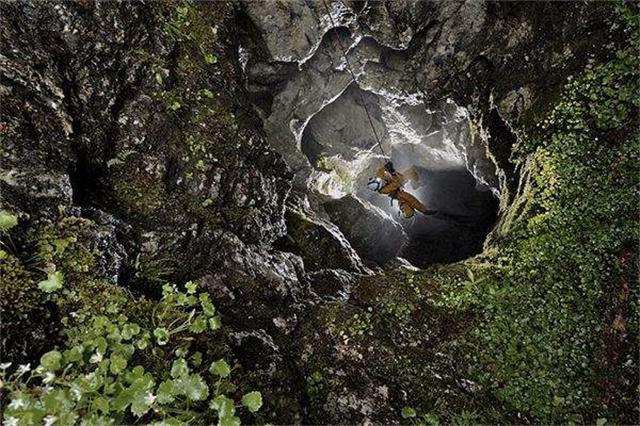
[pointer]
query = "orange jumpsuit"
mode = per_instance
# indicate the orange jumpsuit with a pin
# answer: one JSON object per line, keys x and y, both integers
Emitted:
{"x": 393, "y": 188}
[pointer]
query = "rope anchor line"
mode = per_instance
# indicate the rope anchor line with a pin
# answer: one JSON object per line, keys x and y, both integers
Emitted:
{"x": 346, "y": 58}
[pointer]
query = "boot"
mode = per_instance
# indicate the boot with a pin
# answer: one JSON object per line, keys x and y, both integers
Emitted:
{"x": 411, "y": 201}
{"x": 406, "y": 210}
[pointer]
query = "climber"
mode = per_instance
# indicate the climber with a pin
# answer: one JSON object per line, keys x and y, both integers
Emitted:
{"x": 388, "y": 181}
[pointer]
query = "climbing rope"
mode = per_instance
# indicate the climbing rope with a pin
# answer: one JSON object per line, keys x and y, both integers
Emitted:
{"x": 344, "y": 53}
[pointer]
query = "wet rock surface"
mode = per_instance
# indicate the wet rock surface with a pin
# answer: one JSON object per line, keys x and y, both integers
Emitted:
{"x": 361, "y": 356}
{"x": 106, "y": 116}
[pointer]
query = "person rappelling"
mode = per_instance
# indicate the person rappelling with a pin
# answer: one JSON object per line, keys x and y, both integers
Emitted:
{"x": 390, "y": 182}
{"x": 387, "y": 181}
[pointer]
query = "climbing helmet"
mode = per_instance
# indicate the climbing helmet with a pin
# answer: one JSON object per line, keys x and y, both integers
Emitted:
{"x": 375, "y": 184}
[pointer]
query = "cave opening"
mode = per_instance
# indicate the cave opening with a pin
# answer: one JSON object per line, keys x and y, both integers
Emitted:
{"x": 437, "y": 141}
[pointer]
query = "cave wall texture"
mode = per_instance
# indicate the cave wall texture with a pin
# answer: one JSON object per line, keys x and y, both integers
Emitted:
{"x": 194, "y": 167}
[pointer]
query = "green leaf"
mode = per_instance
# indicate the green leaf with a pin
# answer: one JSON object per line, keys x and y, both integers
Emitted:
{"x": 179, "y": 368}
{"x": 134, "y": 374}
{"x": 122, "y": 400}
{"x": 253, "y": 401}
{"x": 210, "y": 58}
{"x": 57, "y": 400}
{"x": 432, "y": 419}
{"x": 52, "y": 283}
{"x": 166, "y": 392}
{"x": 182, "y": 10}
{"x": 162, "y": 335}
{"x": 7, "y": 221}
{"x": 142, "y": 343}
{"x": 129, "y": 330}
{"x": 408, "y": 413}
{"x": 141, "y": 403}
{"x": 51, "y": 360}
{"x": 208, "y": 93}
{"x": 220, "y": 368}
{"x": 224, "y": 406}
{"x": 470, "y": 275}
{"x": 100, "y": 404}
{"x": 74, "y": 354}
{"x": 195, "y": 388}
{"x": 143, "y": 383}
{"x": 126, "y": 333}
{"x": 199, "y": 324}
{"x": 101, "y": 345}
{"x": 215, "y": 323}
{"x": 191, "y": 287}
{"x": 167, "y": 290}
{"x": 196, "y": 359}
{"x": 118, "y": 364}
{"x": 229, "y": 421}
{"x": 207, "y": 307}
{"x": 60, "y": 245}
{"x": 158, "y": 77}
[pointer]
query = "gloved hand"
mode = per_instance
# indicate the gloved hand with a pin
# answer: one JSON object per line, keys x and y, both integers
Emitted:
{"x": 389, "y": 167}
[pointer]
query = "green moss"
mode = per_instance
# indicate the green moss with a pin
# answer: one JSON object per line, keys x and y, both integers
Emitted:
{"x": 315, "y": 244}
{"x": 558, "y": 274}
{"x": 237, "y": 213}
{"x": 25, "y": 326}
{"x": 393, "y": 329}
{"x": 64, "y": 244}
{"x": 316, "y": 388}
{"x": 541, "y": 321}
{"x": 200, "y": 128}
{"x": 139, "y": 196}
{"x": 339, "y": 170}
{"x": 33, "y": 319}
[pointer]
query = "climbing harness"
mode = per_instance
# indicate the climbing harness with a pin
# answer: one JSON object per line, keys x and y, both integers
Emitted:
{"x": 344, "y": 53}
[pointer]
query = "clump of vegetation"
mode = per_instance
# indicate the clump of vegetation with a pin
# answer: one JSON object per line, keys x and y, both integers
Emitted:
{"x": 339, "y": 172}
{"x": 198, "y": 123}
{"x": 108, "y": 356}
{"x": 102, "y": 373}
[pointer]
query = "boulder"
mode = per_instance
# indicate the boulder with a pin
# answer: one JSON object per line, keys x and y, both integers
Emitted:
{"x": 319, "y": 242}
{"x": 374, "y": 235}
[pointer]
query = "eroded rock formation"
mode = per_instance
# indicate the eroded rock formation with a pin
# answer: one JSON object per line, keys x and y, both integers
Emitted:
{"x": 446, "y": 85}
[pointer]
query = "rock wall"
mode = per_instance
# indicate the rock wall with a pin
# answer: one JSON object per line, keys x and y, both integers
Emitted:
{"x": 447, "y": 86}
{"x": 134, "y": 117}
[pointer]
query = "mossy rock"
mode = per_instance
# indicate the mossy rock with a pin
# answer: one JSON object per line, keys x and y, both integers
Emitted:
{"x": 320, "y": 244}
{"x": 392, "y": 344}
{"x": 27, "y": 318}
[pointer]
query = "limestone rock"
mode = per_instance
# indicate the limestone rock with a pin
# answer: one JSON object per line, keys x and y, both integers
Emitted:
{"x": 375, "y": 236}
{"x": 319, "y": 242}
